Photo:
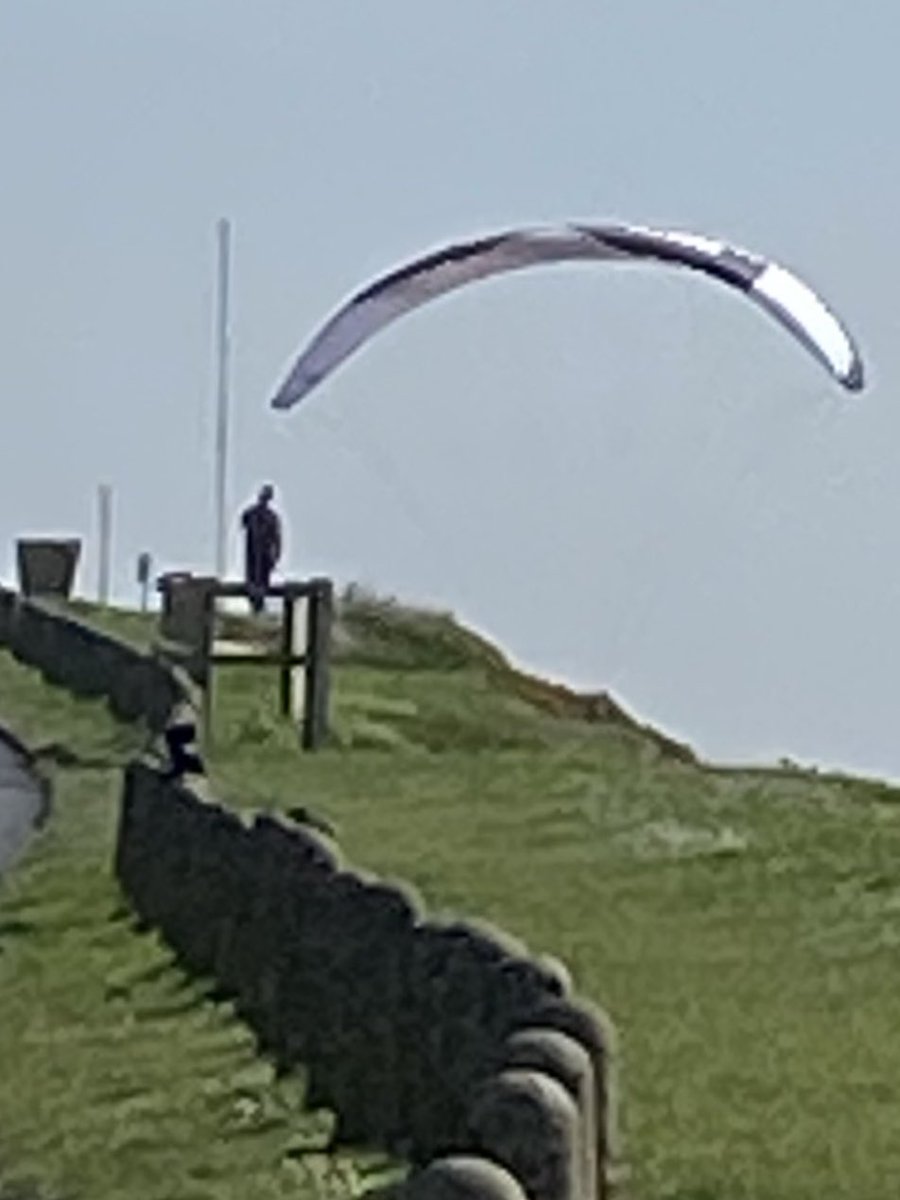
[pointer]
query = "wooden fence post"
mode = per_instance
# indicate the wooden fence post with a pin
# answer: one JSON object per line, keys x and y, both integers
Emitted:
{"x": 319, "y": 616}
{"x": 286, "y": 675}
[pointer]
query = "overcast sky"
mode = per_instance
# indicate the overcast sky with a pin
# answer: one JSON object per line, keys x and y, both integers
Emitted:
{"x": 627, "y": 476}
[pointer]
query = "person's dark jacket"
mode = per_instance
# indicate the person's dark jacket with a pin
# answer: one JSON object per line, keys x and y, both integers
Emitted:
{"x": 262, "y": 542}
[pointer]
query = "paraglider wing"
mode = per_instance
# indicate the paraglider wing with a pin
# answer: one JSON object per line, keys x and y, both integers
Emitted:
{"x": 414, "y": 284}
{"x": 801, "y": 311}
{"x": 772, "y": 287}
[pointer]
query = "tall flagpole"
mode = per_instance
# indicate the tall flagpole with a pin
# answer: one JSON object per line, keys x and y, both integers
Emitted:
{"x": 223, "y": 229}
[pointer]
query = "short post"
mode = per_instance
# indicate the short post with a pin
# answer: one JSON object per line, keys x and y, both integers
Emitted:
{"x": 144, "y": 567}
{"x": 286, "y": 675}
{"x": 186, "y": 628}
{"x": 319, "y": 616}
{"x": 104, "y": 522}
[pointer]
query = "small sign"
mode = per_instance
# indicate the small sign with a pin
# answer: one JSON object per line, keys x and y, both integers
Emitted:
{"x": 144, "y": 564}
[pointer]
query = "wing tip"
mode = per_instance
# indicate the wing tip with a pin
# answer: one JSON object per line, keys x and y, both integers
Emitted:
{"x": 854, "y": 379}
{"x": 288, "y": 396}
{"x": 295, "y": 388}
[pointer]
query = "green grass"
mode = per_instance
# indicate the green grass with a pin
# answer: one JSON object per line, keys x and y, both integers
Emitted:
{"x": 741, "y": 928}
{"x": 118, "y": 1078}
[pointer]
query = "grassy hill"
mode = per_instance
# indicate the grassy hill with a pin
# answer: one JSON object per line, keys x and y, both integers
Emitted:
{"x": 740, "y": 927}
{"x": 118, "y": 1077}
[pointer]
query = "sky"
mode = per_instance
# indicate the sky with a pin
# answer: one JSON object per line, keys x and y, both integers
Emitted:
{"x": 627, "y": 476}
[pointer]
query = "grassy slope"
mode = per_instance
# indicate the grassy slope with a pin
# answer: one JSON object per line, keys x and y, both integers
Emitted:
{"x": 116, "y": 1078}
{"x": 740, "y": 927}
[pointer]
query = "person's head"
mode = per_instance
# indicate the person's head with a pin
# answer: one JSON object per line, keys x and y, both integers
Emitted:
{"x": 266, "y": 493}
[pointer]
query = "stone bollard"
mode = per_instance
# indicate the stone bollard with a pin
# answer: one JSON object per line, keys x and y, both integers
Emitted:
{"x": 366, "y": 1085}
{"x": 89, "y": 667}
{"x": 446, "y": 1030}
{"x": 529, "y": 1123}
{"x": 125, "y": 699}
{"x": 175, "y": 836}
{"x": 202, "y": 882}
{"x": 469, "y": 986}
{"x": 588, "y": 1025}
{"x": 28, "y": 645}
{"x": 150, "y": 829}
{"x": 51, "y": 659}
{"x": 325, "y": 948}
{"x": 134, "y": 703}
{"x": 241, "y": 880}
{"x": 290, "y": 865}
{"x": 165, "y": 688}
{"x": 461, "y": 1177}
{"x": 8, "y": 601}
{"x": 136, "y": 813}
{"x": 565, "y": 1060}
{"x": 59, "y": 669}
{"x": 13, "y": 633}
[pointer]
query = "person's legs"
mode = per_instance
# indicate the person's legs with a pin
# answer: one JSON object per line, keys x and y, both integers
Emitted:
{"x": 255, "y": 577}
{"x": 264, "y": 581}
{"x": 258, "y": 584}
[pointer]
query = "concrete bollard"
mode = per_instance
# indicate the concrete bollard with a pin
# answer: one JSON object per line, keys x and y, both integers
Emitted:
{"x": 446, "y": 1029}
{"x": 399, "y": 1021}
{"x": 529, "y": 1123}
{"x": 587, "y": 1024}
{"x": 461, "y": 1177}
{"x": 276, "y": 994}
{"x": 125, "y": 698}
{"x": 8, "y": 601}
{"x": 30, "y": 629}
{"x": 565, "y": 1060}
{"x": 95, "y": 656}
{"x": 365, "y": 1079}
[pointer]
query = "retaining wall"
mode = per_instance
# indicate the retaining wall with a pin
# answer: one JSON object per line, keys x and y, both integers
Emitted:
{"x": 424, "y": 1038}
{"x": 88, "y": 663}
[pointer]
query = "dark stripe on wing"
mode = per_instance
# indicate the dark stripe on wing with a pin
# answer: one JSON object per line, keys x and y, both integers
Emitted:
{"x": 728, "y": 266}
{"x": 429, "y": 262}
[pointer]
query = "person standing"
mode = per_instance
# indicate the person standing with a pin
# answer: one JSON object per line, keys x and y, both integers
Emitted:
{"x": 262, "y": 545}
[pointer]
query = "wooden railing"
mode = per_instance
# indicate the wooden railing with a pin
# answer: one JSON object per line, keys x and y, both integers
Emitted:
{"x": 187, "y": 635}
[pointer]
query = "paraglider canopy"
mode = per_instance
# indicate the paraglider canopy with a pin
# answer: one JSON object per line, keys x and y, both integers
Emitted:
{"x": 773, "y": 288}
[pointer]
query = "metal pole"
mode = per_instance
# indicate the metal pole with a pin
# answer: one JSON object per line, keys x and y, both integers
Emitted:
{"x": 224, "y": 247}
{"x": 104, "y": 507}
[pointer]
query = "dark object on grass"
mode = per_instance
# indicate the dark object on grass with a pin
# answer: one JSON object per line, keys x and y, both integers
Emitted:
{"x": 301, "y": 815}
{"x": 184, "y": 758}
{"x": 61, "y": 755}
